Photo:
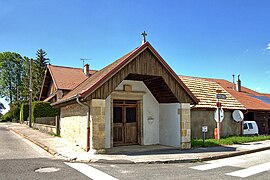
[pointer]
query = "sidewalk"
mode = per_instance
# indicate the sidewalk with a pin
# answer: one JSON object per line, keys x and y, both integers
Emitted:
{"x": 63, "y": 149}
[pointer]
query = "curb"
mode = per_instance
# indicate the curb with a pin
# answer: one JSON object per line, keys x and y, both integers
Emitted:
{"x": 194, "y": 160}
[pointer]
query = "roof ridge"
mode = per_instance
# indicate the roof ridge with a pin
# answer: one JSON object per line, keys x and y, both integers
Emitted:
{"x": 68, "y": 67}
{"x": 98, "y": 72}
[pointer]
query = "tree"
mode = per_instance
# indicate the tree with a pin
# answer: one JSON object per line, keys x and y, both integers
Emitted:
{"x": 10, "y": 76}
{"x": 25, "y": 79}
{"x": 39, "y": 68}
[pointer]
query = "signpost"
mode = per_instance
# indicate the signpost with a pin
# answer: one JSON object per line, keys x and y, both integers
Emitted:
{"x": 221, "y": 114}
{"x": 204, "y": 130}
{"x": 219, "y": 96}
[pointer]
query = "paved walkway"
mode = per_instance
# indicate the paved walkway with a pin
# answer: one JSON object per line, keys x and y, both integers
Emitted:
{"x": 61, "y": 148}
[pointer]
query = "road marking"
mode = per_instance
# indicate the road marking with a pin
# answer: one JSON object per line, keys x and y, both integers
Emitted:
{"x": 216, "y": 164}
{"x": 90, "y": 171}
{"x": 251, "y": 170}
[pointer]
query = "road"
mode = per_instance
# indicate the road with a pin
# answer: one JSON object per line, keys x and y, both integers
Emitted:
{"x": 21, "y": 159}
{"x": 250, "y": 166}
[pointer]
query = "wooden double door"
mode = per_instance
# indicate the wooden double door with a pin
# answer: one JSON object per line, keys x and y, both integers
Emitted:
{"x": 125, "y": 122}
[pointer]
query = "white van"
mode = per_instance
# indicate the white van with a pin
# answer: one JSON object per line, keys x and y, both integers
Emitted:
{"x": 250, "y": 128}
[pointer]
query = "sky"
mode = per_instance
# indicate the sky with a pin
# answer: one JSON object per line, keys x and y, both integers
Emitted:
{"x": 202, "y": 38}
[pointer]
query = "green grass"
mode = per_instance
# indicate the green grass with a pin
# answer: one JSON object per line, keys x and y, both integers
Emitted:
{"x": 228, "y": 140}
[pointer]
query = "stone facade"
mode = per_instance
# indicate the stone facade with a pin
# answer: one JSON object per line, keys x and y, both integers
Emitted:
{"x": 185, "y": 126}
{"x": 200, "y": 117}
{"x": 74, "y": 124}
{"x": 98, "y": 124}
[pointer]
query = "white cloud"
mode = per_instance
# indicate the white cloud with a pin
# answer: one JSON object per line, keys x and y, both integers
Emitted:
{"x": 268, "y": 46}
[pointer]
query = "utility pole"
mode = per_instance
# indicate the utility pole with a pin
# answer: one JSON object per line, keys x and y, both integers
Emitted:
{"x": 218, "y": 121}
{"x": 30, "y": 94}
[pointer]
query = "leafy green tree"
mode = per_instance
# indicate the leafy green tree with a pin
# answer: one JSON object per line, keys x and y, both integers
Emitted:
{"x": 39, "y": 68}
{"x": 10, "y": 76}
{"x": 25, "y": 79}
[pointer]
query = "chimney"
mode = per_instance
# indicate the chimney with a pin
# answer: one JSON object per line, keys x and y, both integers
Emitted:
{"x": 233, "y": 82}
{"x": 238, "y": 84}
{"x": 86, "y": 69}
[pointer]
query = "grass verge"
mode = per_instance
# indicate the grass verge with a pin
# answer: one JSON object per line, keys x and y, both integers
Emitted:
{"x": 228, "y": 140}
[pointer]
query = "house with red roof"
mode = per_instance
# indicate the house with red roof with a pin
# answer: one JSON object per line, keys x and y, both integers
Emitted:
{"x": 138, "y": 99}
{"x": 59, "y": 80}
{"x": 254, "y": 106}
{"x": 257, "y": 104}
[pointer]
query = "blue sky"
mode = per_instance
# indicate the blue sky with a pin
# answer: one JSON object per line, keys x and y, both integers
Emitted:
{"x": 197, "y": 38}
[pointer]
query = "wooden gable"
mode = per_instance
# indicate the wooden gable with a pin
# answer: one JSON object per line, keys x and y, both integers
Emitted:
{"x": 48, "y": 86}
{"x": 146, "y": 67}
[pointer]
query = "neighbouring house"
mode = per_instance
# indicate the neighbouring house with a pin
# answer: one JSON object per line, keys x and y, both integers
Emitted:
{"x": 59, "y": 80}
{"x": 138, "y": 99}
{"x": 202, "y": 114}
{"x": 255, "y": 106}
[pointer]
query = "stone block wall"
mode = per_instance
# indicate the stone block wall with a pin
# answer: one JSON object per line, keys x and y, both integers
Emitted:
{"x": 185, "y": 126}
{"x": 98, "y": 124}
{"x": 73, "y": 124}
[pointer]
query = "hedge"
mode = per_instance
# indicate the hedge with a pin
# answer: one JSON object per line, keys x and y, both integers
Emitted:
{"x": 43, "y": 109}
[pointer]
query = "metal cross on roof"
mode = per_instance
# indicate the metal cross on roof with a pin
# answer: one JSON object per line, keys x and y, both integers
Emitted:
{"x": 144, "y": 36}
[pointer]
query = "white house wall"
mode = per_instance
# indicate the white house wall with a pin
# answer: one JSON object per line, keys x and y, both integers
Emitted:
{"x": 150, "y": 111}
{"x": 150, "y": 118}
{"x": 169, "y": 127}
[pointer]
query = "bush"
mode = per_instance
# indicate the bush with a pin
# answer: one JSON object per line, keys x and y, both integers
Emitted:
{"x": 43, "y": 109}
{"x": 6, "y": 117}
{"x": 15, "y": 110}
{"x": 24, "y": 112}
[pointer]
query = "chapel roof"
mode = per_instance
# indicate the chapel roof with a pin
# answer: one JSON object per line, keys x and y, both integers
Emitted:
{"x": 91, "y": 84}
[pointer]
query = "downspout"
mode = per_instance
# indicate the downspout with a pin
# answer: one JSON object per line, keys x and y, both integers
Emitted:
{"x": 89, "y": 125}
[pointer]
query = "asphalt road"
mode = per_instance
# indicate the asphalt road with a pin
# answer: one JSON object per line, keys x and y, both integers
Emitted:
{"x": 250, "y": 166}
{"x": 20, "y": 159}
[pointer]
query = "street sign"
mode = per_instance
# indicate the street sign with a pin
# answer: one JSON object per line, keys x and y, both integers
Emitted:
{"x": 204, "y": 129}
{"x": 221, "y": 96}
{"x": 221, "y": 115}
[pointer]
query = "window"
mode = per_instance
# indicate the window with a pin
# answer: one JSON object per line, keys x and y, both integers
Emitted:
{"x": 117, "y": 114}
{"x": 245, "y": 126}
{"x": 130, "y": 114}
{"x": 250, "y": 126}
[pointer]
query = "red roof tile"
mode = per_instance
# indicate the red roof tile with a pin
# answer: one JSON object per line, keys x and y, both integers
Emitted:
{"x": 67, "y": 78}
{"x": 245, "y": 97}
{"x": 267, "y": 95}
